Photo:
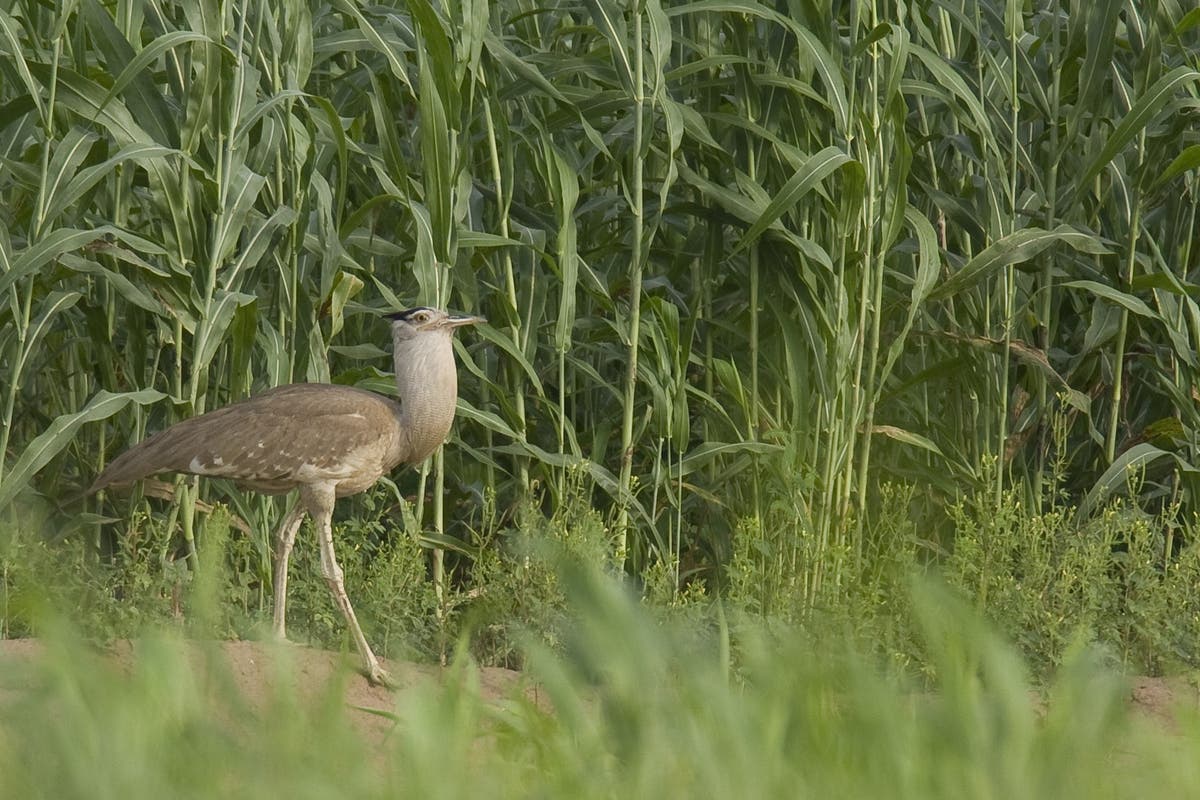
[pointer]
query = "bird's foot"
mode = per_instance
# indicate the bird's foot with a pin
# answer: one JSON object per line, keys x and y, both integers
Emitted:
{"x": 378, "y": 676}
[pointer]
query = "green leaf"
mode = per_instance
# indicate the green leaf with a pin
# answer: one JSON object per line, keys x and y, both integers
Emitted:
{"x": 391, "y": 49}
{"x": 49, "y": 308}
{"x": 814, "y": 170}
{"x": 1145, "y": 109}
{"x": 895, "y": 195}
{"x": 611, "y": 24}
{"x": 359, "y": 352}
{"x": 566, "y": 181}
{"x": 1187, "y": 160}
{"x": 1126, "y": 301}
{"x": 469, "y": 239}
{"x": 1099, "y": 24}
{"x": 603, "y": 478}
{"x": 928, "y": 260}
{"x": 136, "y": 68}
{"x": 487, "y": 419}
{"x": 50, "y": 247}
{"x": 438, "y": 176}
{"x": 247, "y": 122}
{"x": 436, "y": 46}
{"x": 1188, "y": 21}
{"x": 1117, "y": 475}
{"x": 125, "y": 288}
{"x": 1015, "y": 248}
{"x": 247, "y": 185}
{"x": 215, "y": 318}
{"x": 68, "y": 155}
{"x": 750, "y": 210}
{"x": 522, "y": 68}
{"x": 1179, "y": 340}
{"x": 949, "y": 78}
{"x": 87, "y": 98}
{"x": 15, "y": 56}
{"x": 345, "y": 286}
{"x": 831, "y": 75}
{"x": 207, "y": 71}
{"x": 660, "y": 43}
{"x": 907, "y": 437}
{"x": 84, "y": 180}
{"x": 51, "y": 441}
{"x": 506, "y": 343}
{"x": 709, "y": 451}
{"x": 134, "y": 80}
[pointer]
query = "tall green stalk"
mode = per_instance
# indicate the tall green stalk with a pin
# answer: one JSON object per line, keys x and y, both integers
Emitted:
{"x": 636, "y": 267}
{"x": 1127, "y": 275}
{"x": 1013, "y": 30}
{"x": 503, "y": 202}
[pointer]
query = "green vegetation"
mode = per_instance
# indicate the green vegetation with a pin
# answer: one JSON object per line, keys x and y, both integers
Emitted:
{"x": 787, "y": 303}
{"x": 634, "y": 708}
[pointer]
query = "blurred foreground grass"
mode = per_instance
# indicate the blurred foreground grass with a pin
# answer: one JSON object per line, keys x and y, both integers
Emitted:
{"x": 629, "y": 707}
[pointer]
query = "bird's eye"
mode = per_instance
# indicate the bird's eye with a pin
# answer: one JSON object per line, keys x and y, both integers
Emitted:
{"x": 423, "y": 316}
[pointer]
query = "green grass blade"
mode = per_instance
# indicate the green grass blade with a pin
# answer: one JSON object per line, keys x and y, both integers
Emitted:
{"x": 60, "y": 433}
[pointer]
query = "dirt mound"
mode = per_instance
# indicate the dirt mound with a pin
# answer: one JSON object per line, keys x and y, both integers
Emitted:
{"x": 257, "y": 669}
{"x": 1159, "y": 699}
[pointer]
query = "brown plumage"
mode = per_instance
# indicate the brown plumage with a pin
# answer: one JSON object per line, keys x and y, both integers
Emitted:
{"x": 277, "y": 440}
{"x": 327, "y": 441}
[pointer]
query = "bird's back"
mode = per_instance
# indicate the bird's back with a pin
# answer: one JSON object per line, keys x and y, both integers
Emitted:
{"x": 288, "y": 436}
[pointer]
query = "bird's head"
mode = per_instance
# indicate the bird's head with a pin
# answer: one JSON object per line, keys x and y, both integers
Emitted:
{"x": 422, "y": 321}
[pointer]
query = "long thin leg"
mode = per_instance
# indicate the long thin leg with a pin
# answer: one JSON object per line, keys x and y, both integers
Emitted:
{"x": 285, "y": 538}
{"x": 320, "y": 504}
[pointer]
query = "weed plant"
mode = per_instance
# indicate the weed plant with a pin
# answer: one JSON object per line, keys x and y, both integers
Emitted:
{"x": 630, "y": 707}
{"x": 1047, "y": 580}
{"x": 515, "y": 591}
{"x": 1118, "y": 576}
{"x": 1122, "y": 579}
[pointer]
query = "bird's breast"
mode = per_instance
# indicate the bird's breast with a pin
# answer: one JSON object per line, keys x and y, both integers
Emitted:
{"x": 427, "y": 382}
{"x": 427, "y": 416}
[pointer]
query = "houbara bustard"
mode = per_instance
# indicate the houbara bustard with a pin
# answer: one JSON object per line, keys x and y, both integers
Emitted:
{"x": 327, "y": 441}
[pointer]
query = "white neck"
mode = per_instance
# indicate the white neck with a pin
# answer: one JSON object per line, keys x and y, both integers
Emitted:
{"x": 427, "y": 380}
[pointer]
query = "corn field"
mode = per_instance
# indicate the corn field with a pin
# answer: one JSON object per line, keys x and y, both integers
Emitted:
{"x": 740, "y": 261}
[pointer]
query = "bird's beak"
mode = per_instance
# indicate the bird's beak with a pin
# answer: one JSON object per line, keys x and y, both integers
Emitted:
{"x": 458, "y": 322}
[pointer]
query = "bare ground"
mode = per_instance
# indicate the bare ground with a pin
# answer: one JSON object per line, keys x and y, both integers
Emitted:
{"x": 254, "y": 669}
{"x": 257, "y": 669}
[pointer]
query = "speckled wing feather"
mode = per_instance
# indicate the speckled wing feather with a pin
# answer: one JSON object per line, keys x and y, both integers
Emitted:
{"x": 290, "y": 435}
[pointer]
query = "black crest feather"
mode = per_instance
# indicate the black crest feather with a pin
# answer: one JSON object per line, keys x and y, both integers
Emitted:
{"x": 406, "y": 313}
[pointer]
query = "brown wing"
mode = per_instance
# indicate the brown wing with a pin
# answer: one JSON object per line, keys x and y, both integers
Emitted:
{"x": 300, "y": 433}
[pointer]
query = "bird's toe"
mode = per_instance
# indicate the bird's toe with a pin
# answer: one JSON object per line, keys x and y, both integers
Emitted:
{"x": 378, "y": 676}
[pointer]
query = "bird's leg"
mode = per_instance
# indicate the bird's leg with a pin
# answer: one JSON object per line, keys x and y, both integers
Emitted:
{"x": 320, "y": 503}
{"x": 285, "y": 538}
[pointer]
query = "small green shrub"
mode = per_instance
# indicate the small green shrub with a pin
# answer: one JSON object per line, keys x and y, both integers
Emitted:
{"x": 1051, "y": 579}
{"x": 1044, "y": 580}
{"x": 108, "y": 596}
{"x": 783, "y": 573}
{"x": 515, "y": 591}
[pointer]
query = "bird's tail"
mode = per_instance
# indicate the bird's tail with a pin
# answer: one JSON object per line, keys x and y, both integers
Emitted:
{"x": 154, "y": 455}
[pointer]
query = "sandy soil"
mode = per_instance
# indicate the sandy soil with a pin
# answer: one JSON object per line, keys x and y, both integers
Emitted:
{"x": 253, "y": 668}
{"x": 1159, "y": 698}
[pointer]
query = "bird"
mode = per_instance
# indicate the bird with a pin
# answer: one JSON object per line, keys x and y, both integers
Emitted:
{"x": 326, "y": 441}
